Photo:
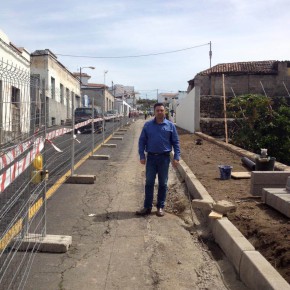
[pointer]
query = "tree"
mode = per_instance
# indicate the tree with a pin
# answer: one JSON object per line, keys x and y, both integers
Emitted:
{"x": 258, "y": 125}
{"x": 146, "y": 104}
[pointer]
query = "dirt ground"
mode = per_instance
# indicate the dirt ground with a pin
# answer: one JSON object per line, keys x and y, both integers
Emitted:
{"x": 264, "y": 227}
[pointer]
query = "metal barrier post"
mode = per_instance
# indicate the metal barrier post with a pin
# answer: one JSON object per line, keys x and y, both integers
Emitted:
{"x": 72, "y": 139}
{"x": 44, "y": 172}
{"x": 93, "y": 125}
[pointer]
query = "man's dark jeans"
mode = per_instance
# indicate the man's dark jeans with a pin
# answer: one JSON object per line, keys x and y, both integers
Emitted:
{"x": 156, "y": 164}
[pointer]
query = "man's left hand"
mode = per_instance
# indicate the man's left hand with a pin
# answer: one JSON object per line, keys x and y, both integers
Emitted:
{"x": 175, "y": 163}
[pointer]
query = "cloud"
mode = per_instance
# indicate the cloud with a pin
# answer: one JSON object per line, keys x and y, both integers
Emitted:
{"x": 239, "y": 31}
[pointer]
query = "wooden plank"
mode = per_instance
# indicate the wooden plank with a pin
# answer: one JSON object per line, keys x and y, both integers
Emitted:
{"x": 240, "y": 175}
{"x": 215, "y": 215}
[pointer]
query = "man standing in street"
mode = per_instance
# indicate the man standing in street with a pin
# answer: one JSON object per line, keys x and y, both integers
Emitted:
{"x": 157, "y": 138}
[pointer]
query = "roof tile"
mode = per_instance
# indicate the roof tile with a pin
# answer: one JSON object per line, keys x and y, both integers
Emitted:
{"x": 251, "y": 67}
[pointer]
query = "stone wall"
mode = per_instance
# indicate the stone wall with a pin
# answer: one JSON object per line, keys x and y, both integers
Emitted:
{"x": 212, "y": 106}
{"x": 216, "y": 126}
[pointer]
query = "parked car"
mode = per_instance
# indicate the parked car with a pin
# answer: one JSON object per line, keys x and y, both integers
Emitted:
{"x": 112, "y": 113}
{"x": 83, "y": 114}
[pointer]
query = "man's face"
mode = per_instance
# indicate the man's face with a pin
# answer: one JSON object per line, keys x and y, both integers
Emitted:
{"x": 159, "y": 112}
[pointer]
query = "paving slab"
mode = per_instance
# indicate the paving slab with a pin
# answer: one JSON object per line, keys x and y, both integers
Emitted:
{"x": 81, "y": 179}
{"x": 278, "y": 198}
{"x": 48, "y": 243}
{"x": 109, "y": 145}
{"x": 99, "y": 157}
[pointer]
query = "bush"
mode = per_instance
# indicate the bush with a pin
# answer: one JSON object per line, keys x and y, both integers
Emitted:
{"x": 258, "y": 126}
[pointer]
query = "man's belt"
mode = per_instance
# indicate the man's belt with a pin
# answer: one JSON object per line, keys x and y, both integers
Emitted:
{"x": 158, "y": 154}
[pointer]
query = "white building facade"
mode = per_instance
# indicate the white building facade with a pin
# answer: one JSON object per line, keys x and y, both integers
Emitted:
{"x": 14, "y": 91}
{"x": 62, "y": 88}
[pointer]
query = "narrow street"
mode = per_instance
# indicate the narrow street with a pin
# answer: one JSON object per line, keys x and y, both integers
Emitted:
{"x": 112, "y": 248}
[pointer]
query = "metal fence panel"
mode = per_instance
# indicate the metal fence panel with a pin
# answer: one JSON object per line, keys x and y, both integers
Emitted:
{"x": 36, "y": 156}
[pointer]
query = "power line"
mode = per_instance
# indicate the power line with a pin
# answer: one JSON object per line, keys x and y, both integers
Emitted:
{"x": 132, "y": 56}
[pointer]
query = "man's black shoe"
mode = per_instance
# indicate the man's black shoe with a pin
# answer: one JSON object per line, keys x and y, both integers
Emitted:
{"x": 143, "y": 211}
{"x": 160, "y": 212}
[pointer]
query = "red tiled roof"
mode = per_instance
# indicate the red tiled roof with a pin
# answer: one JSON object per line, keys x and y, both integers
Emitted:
{"x": 251, "y": 67}
{"x": 168, "y": 94}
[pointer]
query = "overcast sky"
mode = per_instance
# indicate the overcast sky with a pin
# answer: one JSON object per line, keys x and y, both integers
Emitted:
{"x": 240, "y": 30}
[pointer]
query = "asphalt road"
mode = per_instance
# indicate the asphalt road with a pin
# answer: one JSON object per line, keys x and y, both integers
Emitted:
{"x": 114, "y": 249}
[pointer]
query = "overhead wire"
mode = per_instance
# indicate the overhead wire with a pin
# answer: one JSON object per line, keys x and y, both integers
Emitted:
{"x": 134, "y": 56}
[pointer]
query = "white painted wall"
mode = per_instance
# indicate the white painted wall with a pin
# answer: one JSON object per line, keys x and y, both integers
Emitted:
{"x": 122, "y": 107}
{"x": 16, "y": 67}
{"x": 188, "y": 111}
{"x": 47, "y": 67}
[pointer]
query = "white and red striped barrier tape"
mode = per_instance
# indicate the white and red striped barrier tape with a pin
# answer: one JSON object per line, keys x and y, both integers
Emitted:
{"x": 11, "y": 172}
{"x": 14, "y": 170}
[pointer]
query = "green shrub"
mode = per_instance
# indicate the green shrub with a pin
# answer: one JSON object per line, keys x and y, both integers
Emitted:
{"x": 258, "y": 126}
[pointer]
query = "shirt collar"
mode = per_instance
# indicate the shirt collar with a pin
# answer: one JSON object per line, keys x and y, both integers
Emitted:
{"x": 164, "y": 120}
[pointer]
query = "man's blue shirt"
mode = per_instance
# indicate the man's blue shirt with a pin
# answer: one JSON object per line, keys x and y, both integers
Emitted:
{"x": 159, "y": 138}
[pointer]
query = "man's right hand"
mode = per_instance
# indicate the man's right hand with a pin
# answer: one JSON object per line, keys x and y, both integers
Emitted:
{"x": 143, "y": 161}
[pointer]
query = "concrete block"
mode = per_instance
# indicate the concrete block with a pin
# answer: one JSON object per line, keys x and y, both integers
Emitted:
{"x": 224, "y": 206}
{"x": 48, "y": 243}
{"x": 99, "y": 157}
{"x": 109, "y": 145}
{"x": 116, "y": 138}
{"x": 257, "y": 273}
{"x": 267, "y": 179}
{"x": 202, "y": 204}
{"x": 288, "y": 185}
{"x": 119, "y": 133}
{"x": 278, "y": 198}
{"x": 231, "y": 241}
{"x": 273, "y": 177}
{"x": 81, "y": 179}
{"x": 266, "y": 191}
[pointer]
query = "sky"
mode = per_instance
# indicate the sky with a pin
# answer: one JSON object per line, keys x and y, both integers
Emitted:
{"x": 109, "y": 34}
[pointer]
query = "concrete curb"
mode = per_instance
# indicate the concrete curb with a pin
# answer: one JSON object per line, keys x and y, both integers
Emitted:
{"x": 195, "y": 188}
{"x": 254, "y": 270}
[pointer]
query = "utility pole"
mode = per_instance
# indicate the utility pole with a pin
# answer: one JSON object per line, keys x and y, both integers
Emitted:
{"x": 210, "y": 54}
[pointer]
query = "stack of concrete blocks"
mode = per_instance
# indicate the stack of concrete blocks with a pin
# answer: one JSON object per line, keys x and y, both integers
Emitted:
{"x": 271, "y": 186}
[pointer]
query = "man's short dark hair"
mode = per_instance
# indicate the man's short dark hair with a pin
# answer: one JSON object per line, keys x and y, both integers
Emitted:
{"x": 158, "y": 105}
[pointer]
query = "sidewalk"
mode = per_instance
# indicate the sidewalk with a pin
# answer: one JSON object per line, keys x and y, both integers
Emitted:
{"x": 114, "y": 249}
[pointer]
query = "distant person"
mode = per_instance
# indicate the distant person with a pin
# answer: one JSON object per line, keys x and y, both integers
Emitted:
{"x": 145, "y": 115}
{"x": 157, "y": 138}
{"x": 167, "y": 114}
